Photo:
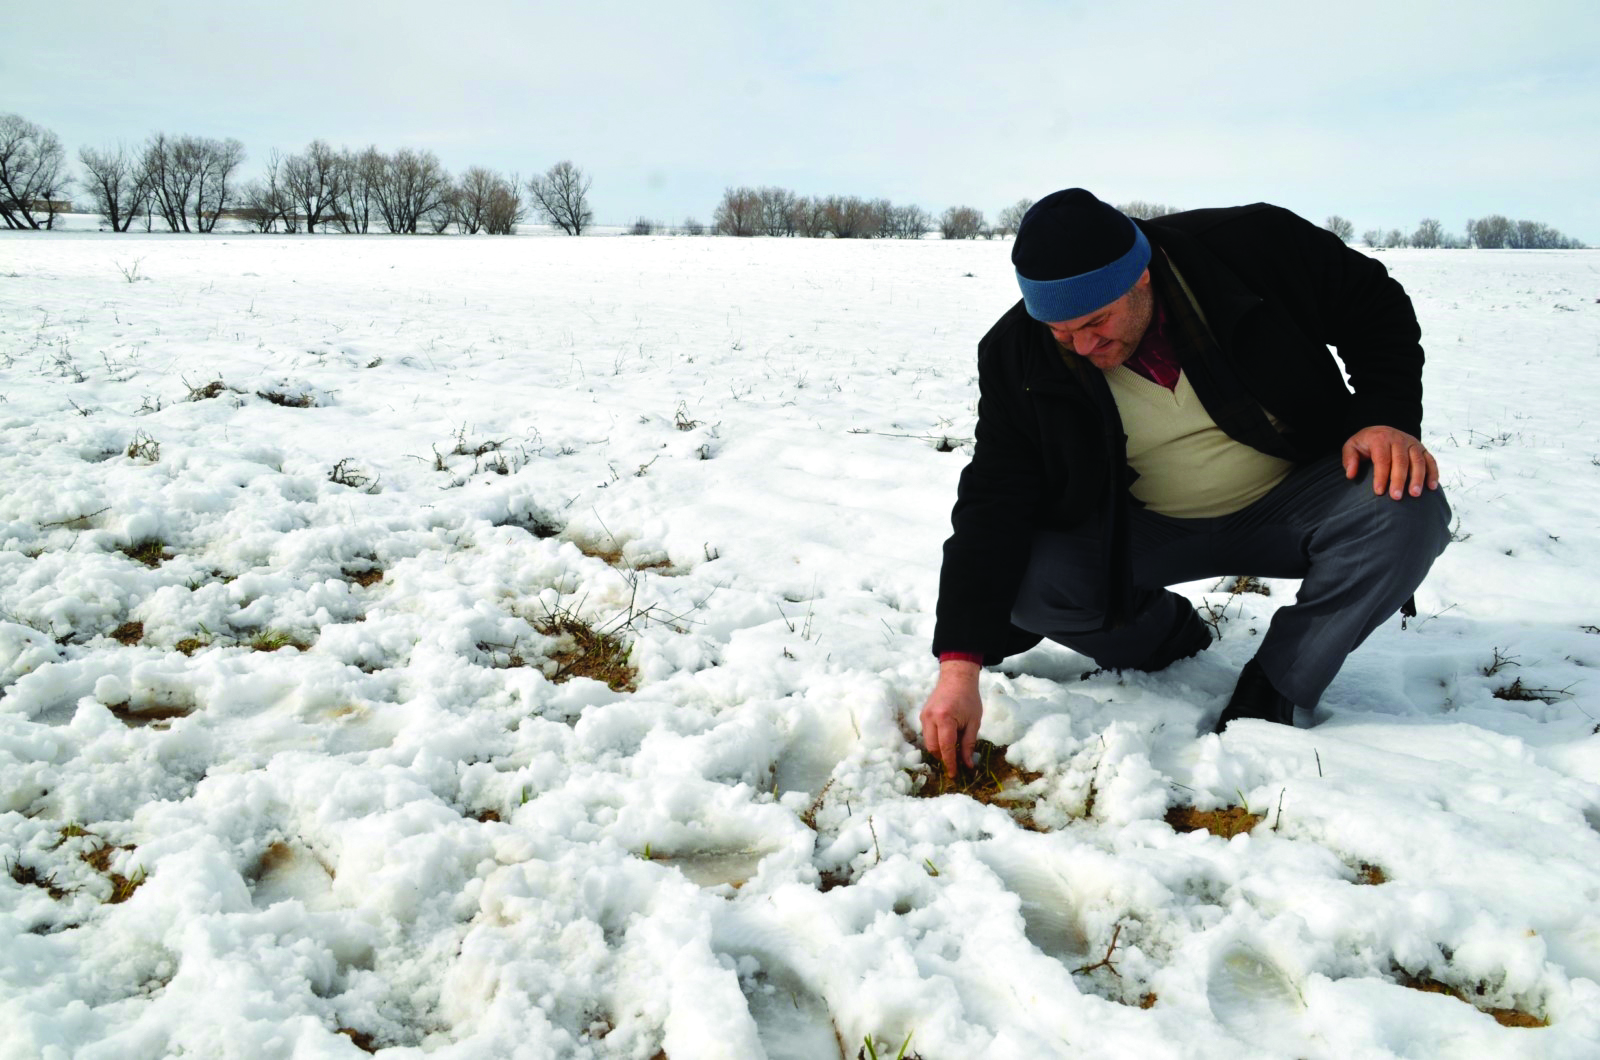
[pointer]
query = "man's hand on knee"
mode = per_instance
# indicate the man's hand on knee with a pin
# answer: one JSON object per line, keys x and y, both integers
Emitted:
{"x": 1400, "y": 463}
{"x": 952, "y": 714}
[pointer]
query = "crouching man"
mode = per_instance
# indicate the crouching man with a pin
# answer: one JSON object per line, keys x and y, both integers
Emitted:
{"x": 1162, "y": 406}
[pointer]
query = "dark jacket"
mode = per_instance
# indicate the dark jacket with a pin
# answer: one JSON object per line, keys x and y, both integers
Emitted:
{"x": 1276, "y": 291}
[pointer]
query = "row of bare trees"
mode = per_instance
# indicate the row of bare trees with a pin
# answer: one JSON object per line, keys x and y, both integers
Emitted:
{"x": 1495, "y": 232}
{"x": 773, "y": 211}
{"x": 406, "y": 191}
{"x": 189, "y": 183}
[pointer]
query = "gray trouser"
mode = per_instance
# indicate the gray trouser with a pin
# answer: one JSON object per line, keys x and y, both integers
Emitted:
{"x": 1360, "y": 556}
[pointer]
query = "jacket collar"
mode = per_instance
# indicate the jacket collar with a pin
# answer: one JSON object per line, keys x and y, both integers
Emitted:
{"x": 1223, "y": 297}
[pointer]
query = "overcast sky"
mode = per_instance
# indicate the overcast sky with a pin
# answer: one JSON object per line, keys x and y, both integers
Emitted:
{"x": 1384, "y": 112}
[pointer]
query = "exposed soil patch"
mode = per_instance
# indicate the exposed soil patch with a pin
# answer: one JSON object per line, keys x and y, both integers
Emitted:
{"x": 1226, "y": 822}
{"x": 992, "y": 781}
{"x": 150, "y": 553}
{"x": 538, "y": 523}
{"x": 26, "y": 876}
{"x": 1516, "y": 691}
{"x": 208, "y": 390}
{"x": 1370, "y": 875}
{"x": 611, "y": 554}
{"x": 189, "y": 645}
{"x": 364, "y": 578}
{"x": 363, "y": 1041}
{"x": 1506, "y": 1017}
{"x": 273, "y": 639}
{"x": 289, "y": 401}
{"x": 129, "y": 633}
{"x": 157, "y": 717}
{"x": 99, "y": 858}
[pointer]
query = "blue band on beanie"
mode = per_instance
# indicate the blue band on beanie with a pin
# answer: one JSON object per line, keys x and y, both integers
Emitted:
{"x": 1075, "y": 296}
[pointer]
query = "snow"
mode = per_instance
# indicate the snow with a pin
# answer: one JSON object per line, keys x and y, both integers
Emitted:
{"x": 731, "y": 451}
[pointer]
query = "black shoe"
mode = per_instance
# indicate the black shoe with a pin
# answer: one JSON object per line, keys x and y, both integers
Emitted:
{"x": 1188, "y": 636}
{"x": 1254, "y": 697}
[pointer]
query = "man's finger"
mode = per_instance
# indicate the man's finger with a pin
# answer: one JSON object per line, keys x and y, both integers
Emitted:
{"x": 947, "y": 747}
{"x": 1419, "y": 468}
{"x": 969, "y": 742}
{"x": 1352, "y": 459}
{"x": 1399, "y": 461}
{"x": 1433, "y": 472}
{"x": 1380, "y": 466}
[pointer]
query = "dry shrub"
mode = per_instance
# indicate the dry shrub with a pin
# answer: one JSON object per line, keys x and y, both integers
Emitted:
{"x": 1518, "y": 692}
{"x": 596, "y": 653}
{"x": 1226, "y": 822}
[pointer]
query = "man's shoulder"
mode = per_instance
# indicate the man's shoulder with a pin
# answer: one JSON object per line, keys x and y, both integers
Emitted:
{"x": 1226, "y": 221}
{"x": 1012, "y": 329}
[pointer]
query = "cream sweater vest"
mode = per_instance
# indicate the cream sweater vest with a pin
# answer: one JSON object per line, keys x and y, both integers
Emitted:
{"x": 1188, "y": 466}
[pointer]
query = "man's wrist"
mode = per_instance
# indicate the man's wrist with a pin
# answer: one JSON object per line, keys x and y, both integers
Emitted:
{"x": 960, "y": 666}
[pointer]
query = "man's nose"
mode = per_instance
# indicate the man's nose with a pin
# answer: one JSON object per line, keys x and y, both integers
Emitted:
{"x": 1085, "y": 342}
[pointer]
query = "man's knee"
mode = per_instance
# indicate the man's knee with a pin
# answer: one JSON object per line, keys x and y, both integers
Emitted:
{"x": 1419, "y": 525}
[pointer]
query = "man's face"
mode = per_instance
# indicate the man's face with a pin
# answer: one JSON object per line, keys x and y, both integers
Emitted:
{"x": 1110, "y": 334}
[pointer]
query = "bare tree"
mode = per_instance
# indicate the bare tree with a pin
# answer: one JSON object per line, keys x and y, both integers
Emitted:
{"x": 1490, "y": 233}
{"x": 1394, "y": 238}
{"x": 359, "y": 189}
{"x": 473, "y": 193}
{"x": 1429, "y": 233}
{"x": 315, "y": 179}
{"x": 1340, "y": 227}
{"x": 410, "y": 187}
{"x": 562, "y": 197}
{"x": 739, "y": 212}
{"x": 777, "y": 211}
{"x": 961, "y": 222}
{"x": 1373, "y": 237}
{"x": 188, "y": 178}
{"x": 443, "y": 213}
{"x": 267, "y": 202}
{"x": 809, "y": 218}
{"x": 1011, "y": 217}
{"x": 114, "y": 182}
{"x": 693, "y": 227}
{"x": 907, "y": 222}
{"x": 506, "y": 209}
{"x": 1534, "y": 235}
{"x": 851, "y": 217}
{"x": 1146, "y": 211}
{"x": 32, "y": 173}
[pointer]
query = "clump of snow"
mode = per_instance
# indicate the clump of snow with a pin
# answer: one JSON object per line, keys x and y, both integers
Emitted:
{"x": 287, "y": 766}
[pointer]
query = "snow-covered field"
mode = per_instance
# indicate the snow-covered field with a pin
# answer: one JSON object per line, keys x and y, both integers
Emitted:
{"x": 423, "y": 461}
